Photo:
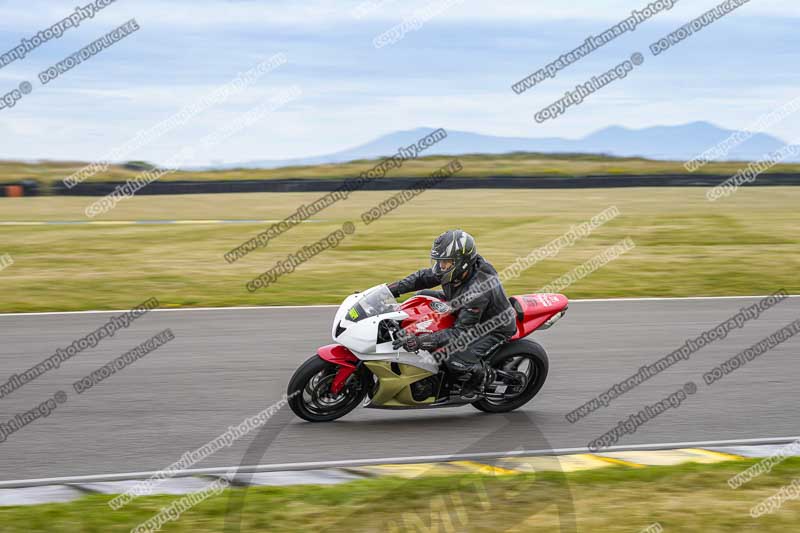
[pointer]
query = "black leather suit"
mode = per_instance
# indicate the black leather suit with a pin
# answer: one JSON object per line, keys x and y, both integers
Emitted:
{"x": 473, "y": 304}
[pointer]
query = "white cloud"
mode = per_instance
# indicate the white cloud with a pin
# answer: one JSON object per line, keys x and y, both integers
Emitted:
{"x": 353, "y": 93}
{"x": 199, "y": 14}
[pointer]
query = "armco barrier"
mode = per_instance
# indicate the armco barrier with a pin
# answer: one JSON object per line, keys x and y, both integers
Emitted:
{"x": 385, "y": 184}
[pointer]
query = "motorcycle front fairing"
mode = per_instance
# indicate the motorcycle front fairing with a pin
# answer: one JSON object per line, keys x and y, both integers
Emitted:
{"x": 355, "y": 325}
{"x": 356, "y": 330}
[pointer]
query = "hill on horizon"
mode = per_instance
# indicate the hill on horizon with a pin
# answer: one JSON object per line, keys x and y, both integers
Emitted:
{"x": 666, "y": 143}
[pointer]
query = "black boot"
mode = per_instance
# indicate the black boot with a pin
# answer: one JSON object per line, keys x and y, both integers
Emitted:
{"x": 475, "y": 380}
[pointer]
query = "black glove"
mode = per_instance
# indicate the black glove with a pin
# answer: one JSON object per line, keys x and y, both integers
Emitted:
{"x": 405, "y": 340}
{"x": 413, "y": 343}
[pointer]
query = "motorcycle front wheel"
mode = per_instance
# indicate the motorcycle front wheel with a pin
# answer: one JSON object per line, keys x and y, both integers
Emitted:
{"x": 310, "y": 395}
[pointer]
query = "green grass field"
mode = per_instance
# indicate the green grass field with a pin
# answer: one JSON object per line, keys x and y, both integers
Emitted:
{"x": 685, "y": 246}
{"x": 476, "y": 165}
{"x": 685, "y": 498}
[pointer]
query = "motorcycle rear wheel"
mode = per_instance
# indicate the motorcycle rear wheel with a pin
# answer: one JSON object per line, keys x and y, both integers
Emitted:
{"x": 539, "y": 364}
{"x": 309, "y": 392}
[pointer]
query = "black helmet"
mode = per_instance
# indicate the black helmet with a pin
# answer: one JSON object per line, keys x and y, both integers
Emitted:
{"x": 453, "y": 253}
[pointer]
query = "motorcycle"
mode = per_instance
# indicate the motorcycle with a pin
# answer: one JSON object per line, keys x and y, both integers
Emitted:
{"x": 362, "y": 365}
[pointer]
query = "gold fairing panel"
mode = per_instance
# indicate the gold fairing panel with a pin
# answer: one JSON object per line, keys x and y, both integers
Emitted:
{"x": 394, "y": 390}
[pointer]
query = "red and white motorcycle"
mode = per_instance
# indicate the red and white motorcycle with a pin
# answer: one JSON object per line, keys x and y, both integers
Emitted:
{"x": 362, "y": 364}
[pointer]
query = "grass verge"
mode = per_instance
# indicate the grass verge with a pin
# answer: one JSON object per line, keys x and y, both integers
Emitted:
{"x": 685, "y": 246}
{"x": 689, "y": 497}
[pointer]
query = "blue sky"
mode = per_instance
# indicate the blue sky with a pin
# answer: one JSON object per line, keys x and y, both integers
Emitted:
{"x": 453, "y": 72}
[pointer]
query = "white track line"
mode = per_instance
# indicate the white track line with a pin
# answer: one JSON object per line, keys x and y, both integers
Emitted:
{"x": 284, "y": 467}
{"x": 656, "y": 299}
{"x": 322, "y": 306}
{"x": 244, "y": 308}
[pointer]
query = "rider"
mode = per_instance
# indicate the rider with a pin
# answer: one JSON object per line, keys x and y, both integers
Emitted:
{"x": 473, "y": 289}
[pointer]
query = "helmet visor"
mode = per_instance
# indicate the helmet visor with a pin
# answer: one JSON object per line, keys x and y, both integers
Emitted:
{"x": 441, "y": 267}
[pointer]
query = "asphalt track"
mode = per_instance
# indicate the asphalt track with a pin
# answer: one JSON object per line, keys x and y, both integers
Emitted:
{"x": 226, "y": 365}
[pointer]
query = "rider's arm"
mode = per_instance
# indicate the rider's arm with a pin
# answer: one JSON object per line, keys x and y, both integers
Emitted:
{"x": 422, "y": 279}
{"x": 468, "y": 317}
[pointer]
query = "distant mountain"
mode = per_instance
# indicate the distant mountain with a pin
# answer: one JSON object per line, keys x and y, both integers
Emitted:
{"x": 677, "y": 143}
